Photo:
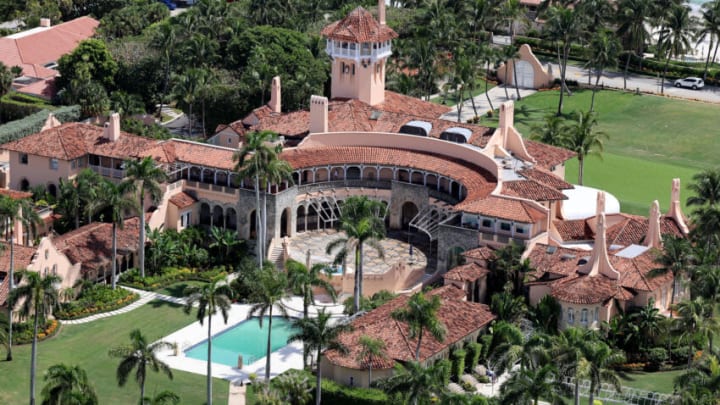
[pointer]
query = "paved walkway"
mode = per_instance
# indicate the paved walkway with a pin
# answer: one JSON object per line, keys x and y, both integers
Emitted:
{"x": 145, "y": 297}
{"x": 237, "y": 394}
{"x": 497, "y": 96}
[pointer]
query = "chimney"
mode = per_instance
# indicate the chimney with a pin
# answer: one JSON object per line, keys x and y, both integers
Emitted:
{"x": 50, "y": 122}
{"x": 381, "y": 12}
{"x": 599, "y": 262}
{"x": 675, "y": 211}
{"x": 653, "y": 239}
{"x": 275, "y": 93}
{"x": 45, "y": 22}
{"x": 600, "y": 205}
{"x": 507, "y": 115}
{"x": 318, "y": 114}
{"x": 112, "y": 128}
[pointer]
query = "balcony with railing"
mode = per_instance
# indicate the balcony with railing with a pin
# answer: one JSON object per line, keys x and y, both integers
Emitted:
{"x": 365, "y": 50}
{"x": 108, "y": 171}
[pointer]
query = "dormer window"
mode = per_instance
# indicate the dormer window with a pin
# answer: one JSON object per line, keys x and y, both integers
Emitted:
{"x": 456, "y": 134}
{"x": 420, "y": 128}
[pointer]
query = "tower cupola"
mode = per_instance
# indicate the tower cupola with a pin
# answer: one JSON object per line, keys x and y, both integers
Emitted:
{"x": 359, "y": 46}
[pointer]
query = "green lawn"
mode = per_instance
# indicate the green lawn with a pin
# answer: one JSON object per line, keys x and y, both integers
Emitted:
{"x": 451, "y": 98}
{"x": 178, "y": 289}
{"x": 88, "y": 344}
{"x": 651, "y": 140}
{"x": 661, "y": 381}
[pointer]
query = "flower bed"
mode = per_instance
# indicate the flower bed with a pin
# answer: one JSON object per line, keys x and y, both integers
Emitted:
{"x": 169, "y": 275}
{"x": 23, "y": 332}
{"x": 95, "y": 300}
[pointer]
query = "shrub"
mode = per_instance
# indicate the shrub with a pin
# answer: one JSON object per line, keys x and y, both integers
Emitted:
{"x": 483, "y": 379}
{"x": 467, "y": 386}
{"x": 33, "y": 123}
{"x": 337, "y": 394}
{"x": 169, "y": 275}
{"x": 458, "y": 363}
{"x": 94, "y": 300}
{"x": 23, "y": 331}
{"x": 473, "y": 354}
{"x": 679, "y": 355}
{"x": 447, "y": 370}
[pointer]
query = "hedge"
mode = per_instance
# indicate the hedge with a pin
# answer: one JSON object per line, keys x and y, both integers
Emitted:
{"x": 458, "y": 363}
{"x": 337, "y": 394}
{"x": 169, "y": 275}
{"x": 23, "y": 332}
{"x": 473, "y": 355}
{"x": 96, "y": 300}
{"x": 33, "y": 123}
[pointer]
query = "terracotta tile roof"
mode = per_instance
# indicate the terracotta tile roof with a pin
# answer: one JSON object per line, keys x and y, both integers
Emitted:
{"x": 23, "y": 258}
{"x": 14, "y": 194}
{"x": 548, "y": 156}
{"x": 588, "y": 290}
{"x": 91, "y": 244}
{"x": 502, "y": 207}
{"x": 479, "y": 182}
{"x": 623, "y": 229}
{"x": 34, "y": 48}
{"x": 359, "y": 26}
{"x": 574, "y": 230}
{"x": 460, "y": 318}
{"x": 480, "y": 253}
{"x": 182, "y": 200}
{"x": 531, "y": 190}
{"x": 562, "y": 261}
{"x": 466, "y": 272}
{"x": 73, "y": 140}
{"x": 200, "y": 154}
{"x": 545, "y": 177}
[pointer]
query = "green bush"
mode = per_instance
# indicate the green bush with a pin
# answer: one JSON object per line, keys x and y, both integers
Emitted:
{"x": 447, "y": 370}
{"x": 473, "y": 354}
{"x": 169, "y": 275}
{"x": 337, "y": 394}
{"x": 483, "y": 379}
{"x": 679, "y": 355}
{"x": 23, "y": 332}
{"x": 33, "y": 123}
{"x": 458, "y": 362}
{"x": 94, "y": 300}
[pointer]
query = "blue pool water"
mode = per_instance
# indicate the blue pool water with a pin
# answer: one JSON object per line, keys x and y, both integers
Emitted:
{"x": 246, "y": 338}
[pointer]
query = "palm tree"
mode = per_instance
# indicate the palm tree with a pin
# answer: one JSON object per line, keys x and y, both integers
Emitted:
{"x": 362, "y": 221}
{"x": 187, "y": 89}
{"x": 415, "y": 383}
{"x": 318, "y": 334}
{"x": 251, "y": 162}
{"x": 551, "y": 131}
{"x": 703, "y": 380}
{"x": 705, "y": 188}
{"x": 145, "y": 176}
{"x": 509, "y": 308}
{"x": 164, "y": 40}
{"x": 583, "y": 139}
{"x": 37, "y": 295}
{"x": 568, "y": 351}
{"x": 546, "y": 315}
{"x": 371, "y": 350}
{"x": 66, "y": 385}
{"x": 293, "y": 387}
{"x": 163, "y": 398}
{"x": 224, "y": 240}
{"x": 142, "y": 356}
{"x": 604, "y": 51}
{"x": 601, "y": 359}
{"x": 674, "y": 37}
{"x": 420, "y": 314}
{"x": 270, "y": 289}
{"x": 211, "y": 298}
{"x": 709, "y": 28}
{"x": 676, "y": 258}
{"x": 564, "y": 25}
{"x": 649, "y": 323}
{"x": 76, "y": 195}
{"x": 114, "y": 198}
{"x": 696, "y": 324}
{"x": 6, "y": 79}
{"x": 632, "y": 26}
{"x": 529, "y": 384}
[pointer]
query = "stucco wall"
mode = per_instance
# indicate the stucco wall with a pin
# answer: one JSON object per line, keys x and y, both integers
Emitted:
{"x": 542, "y": 78}
{"x": 37, "y": 171}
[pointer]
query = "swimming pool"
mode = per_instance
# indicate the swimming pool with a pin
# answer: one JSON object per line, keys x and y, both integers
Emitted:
{"x": 246, "y": 338}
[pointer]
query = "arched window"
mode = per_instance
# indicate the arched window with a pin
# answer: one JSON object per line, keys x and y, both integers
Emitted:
{"x": 204, "y": 214}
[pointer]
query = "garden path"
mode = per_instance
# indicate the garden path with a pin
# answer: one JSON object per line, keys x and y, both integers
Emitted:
{"x": 145, "y": 297}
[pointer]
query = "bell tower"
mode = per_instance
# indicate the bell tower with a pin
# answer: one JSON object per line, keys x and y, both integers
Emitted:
{"x": 359, "y": 46}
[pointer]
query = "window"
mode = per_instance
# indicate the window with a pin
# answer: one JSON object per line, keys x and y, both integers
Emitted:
{"x": 73, "y": 164}
{"x": 663, "y": 296}
{"x": 584, "y": 316}
{"x": 24, "y": 158}
{"x": 54, "y": 270}
{"x": 47, "y": 253}
{"x": 597, "y": 314}
{"x": 487, "y": 223}
{"x": 520, "y": 229}
{"x": 53, "y": 164}
{"x": 185, "y": 219}
{"x": 571, "y": 316}
{"x": 505, "y": 226}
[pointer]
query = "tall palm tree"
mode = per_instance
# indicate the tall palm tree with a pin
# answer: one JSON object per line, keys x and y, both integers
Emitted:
{"x": 67, "y": 385}
{"x": 371, "y": 350}
{"x": 649, "y": 322}
{"x": 633, "y": 28}
{"x": 529, "y": 384}
{"x": 564, "y": 25}
{"x": 362, "y": 221}
{"x": 145, "y": 176}
{"x": 37, "y": 295}
{"x": 550, "y": 131}
{"x": 709, "y": 28}
{"x": 270, "y": 289}
{"x": 187, "y": 89}
{"x": 508, "y": 307}
{"x": 601, "y": 359}
{"x": 141, "y": 356}
{"x": 10, "y": 213}
{"x": 700, "y": 385}
{"x": 415, "y": 383}
{"x": 705, "y": 188}
{"x": 319, "y": 334}
{"x": 676, "y": 258}
{"x": 211, "y": 297}
{"x": 164, "y": 40}
{"x": 114, "y": 197}
{"x": 604, "y": 50}
{"x": 674, "y": 38}
{"x": 420, "y": 314}
{"x": 76, "y": 195}
{"x": 251, "y": 162}
{"x": 568, "y": 351}
{"x": 696, "y": 324}
{"x": 583, "y": 139}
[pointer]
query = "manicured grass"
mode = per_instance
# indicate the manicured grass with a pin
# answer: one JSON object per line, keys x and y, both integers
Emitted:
{"x": 87, "y": 345}
{"x": 452, "y": 99}
{"x": 660, "y": 381}
{"x": 635, "y": 182}
{"x": 178, "y": 289}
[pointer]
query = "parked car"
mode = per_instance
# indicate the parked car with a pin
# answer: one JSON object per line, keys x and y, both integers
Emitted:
{"x": 690, "y": 82}
{"x": 170, "y": 5}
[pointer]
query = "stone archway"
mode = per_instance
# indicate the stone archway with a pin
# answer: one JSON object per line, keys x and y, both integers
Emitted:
{"x": 408, "y": 211}
{"x": 285, "y": 229}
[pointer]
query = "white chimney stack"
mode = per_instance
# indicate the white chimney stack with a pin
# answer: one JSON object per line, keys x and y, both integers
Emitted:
{"x": 275, "y": 95}
{"x": 653, "y": 238}
{"x": 45, "y": 22}
{"x": 675, "y": 211}
{"x": 318, "y": 114}
{"x": 599, "y": 262}
{"x": 112, "y": 128}
{"x": 381, "y": 12}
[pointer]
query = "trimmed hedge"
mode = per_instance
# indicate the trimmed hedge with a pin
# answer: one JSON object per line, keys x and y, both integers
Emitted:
{"x": 169, "y": 275}
{"x": 33, "y": 123}
{"x": 337, "y": 394}
{"x": 23, "y": 332}
{"x": 96, "y": 300}
{"x": 473, "y": 355}
{"x": 458, "y": 363}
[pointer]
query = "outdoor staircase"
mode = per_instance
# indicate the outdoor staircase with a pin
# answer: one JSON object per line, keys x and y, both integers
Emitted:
{"x": 276, "y": 255}
{"x": 429, "y": 218}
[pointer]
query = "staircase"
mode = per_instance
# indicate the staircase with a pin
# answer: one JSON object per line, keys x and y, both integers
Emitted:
{"x": 275, "y": 255}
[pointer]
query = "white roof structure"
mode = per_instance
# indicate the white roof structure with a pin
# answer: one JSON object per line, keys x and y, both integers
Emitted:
{"x": 582, "y": 203}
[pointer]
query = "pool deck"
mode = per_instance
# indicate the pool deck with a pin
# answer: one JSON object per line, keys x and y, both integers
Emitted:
{"x": 283, "y": 359}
